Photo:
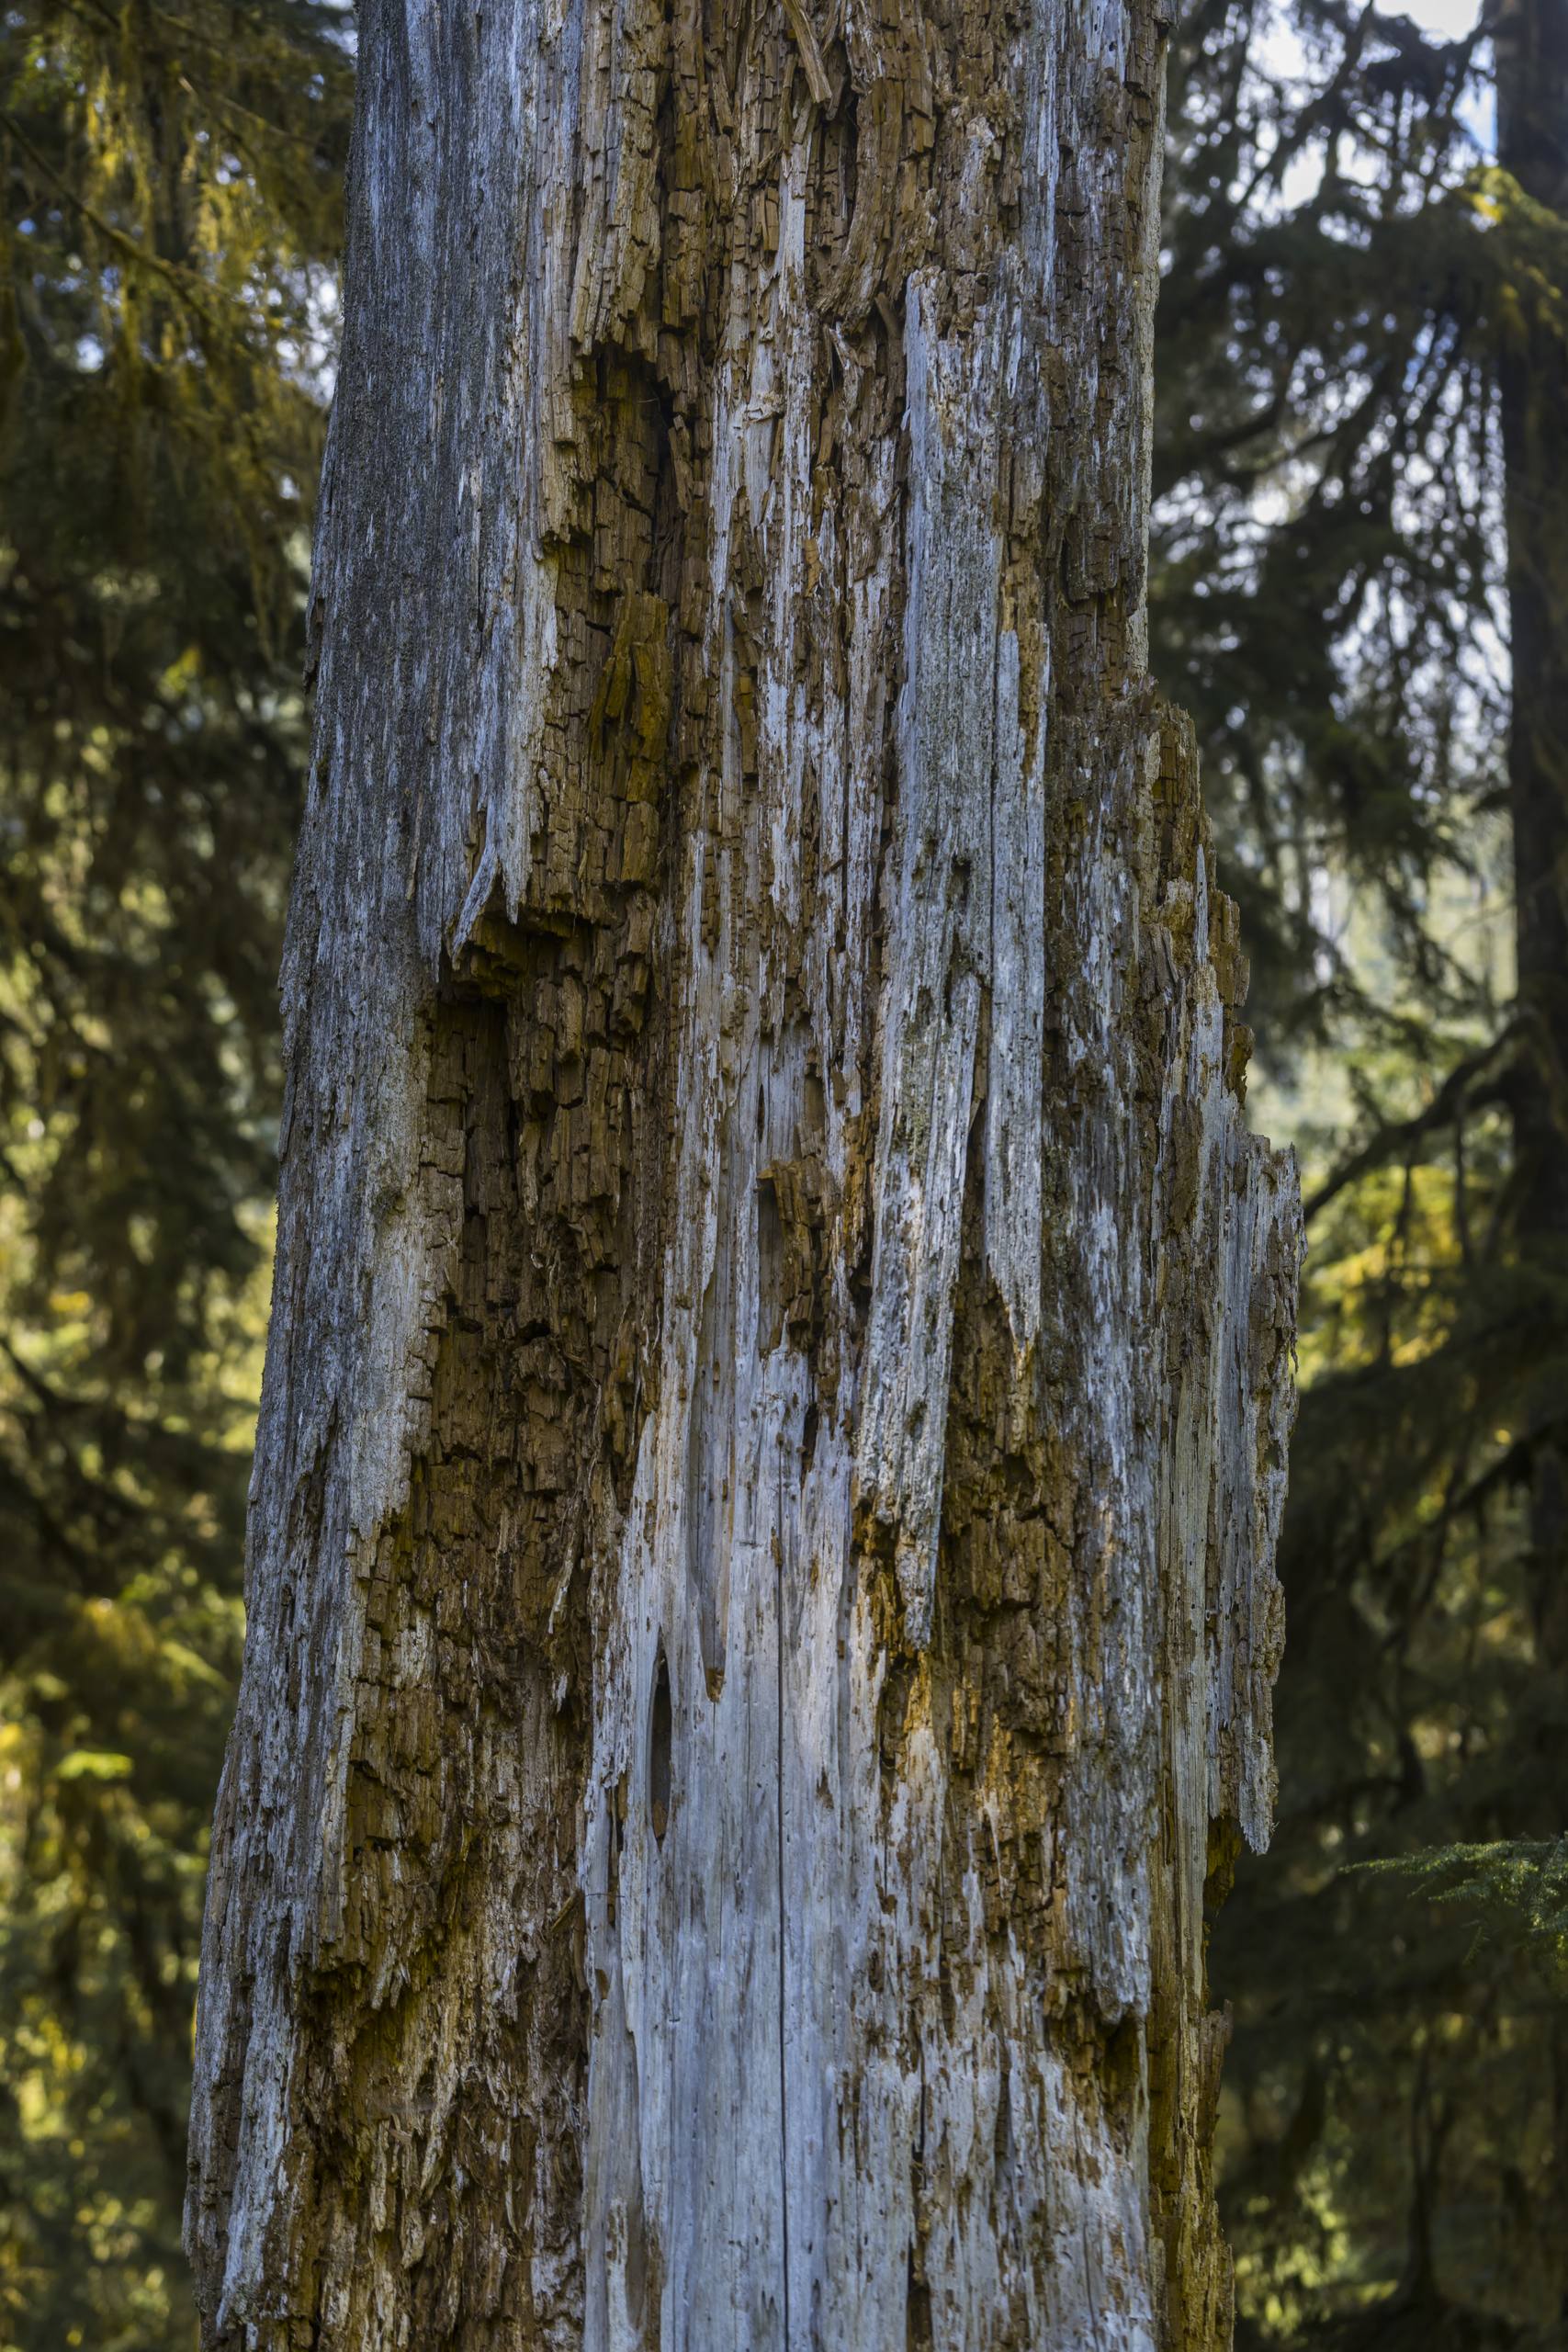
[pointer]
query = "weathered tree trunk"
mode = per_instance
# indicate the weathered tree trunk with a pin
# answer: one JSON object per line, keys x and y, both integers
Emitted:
{"x": 761, "y": 1606}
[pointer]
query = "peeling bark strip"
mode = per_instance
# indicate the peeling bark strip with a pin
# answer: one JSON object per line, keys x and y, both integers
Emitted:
{"x": 761, "y": 1604}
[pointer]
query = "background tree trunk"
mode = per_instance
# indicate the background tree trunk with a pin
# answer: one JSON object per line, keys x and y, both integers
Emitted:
{"x": 761, "y": 1606}
{"x": 1531, "y": 46}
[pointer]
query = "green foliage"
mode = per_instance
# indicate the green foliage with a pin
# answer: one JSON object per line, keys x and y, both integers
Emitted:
{"x": 1347, "y": 277}
{"x": 1395, "y": 2115}
{"x": 171, "y": 197}
{"x": 1326, "y": 571}
{"x": 1516, "y": 1892}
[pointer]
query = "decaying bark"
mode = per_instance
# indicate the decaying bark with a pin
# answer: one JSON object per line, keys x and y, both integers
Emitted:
{"x": 761, "y": 1604}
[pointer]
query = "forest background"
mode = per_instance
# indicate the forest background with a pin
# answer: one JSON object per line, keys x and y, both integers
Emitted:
{"x": 1359, "y": 589}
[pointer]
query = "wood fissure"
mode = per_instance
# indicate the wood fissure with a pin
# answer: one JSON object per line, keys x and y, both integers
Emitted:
{"x": 761, "y": 1583}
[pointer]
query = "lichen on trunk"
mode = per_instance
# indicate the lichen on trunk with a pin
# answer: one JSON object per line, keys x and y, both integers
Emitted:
{"x": 761, "y": 1605}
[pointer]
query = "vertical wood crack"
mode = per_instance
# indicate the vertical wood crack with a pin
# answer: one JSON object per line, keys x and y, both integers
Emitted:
{"x": 779, "y": 1759}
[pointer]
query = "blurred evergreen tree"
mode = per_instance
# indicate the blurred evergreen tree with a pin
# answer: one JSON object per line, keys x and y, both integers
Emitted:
{"x": 1363, "y": 497}
{"x": 172, "y": 199}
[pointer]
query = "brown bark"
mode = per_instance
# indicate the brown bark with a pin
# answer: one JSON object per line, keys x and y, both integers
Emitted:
{"x": 761, "y": 1603}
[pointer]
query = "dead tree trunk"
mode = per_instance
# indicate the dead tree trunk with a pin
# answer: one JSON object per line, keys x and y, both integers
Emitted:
{"x": 761, "y": 1605}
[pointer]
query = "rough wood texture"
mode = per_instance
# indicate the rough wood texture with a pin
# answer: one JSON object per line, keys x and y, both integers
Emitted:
{"x": 761, "y": 1604}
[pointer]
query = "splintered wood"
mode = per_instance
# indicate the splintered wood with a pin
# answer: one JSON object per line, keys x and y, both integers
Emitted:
{"x": 762, "y": 1614}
